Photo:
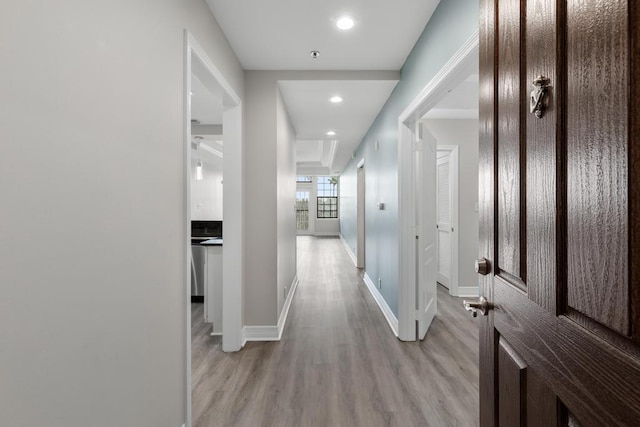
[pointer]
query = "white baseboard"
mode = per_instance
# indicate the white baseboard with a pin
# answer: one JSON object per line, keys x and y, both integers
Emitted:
{"x": 349, "y": 251}
{"x": 260, "y": 333}
{"x": 271, "y": 333}
{"x": 327, "y": 233}
{"x": 386, "y": 310}
{"x": 287, "y": 305}
{"x": 468, "y": 291}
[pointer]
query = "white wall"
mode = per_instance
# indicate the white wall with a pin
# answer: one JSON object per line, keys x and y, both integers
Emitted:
{"x": 327, "y": 226}
{"x": 206, "y": 194}
{"x": 260, "y": 300}
{"x": 270, "y": 233}
{"x": 464, "y": 134}
{"x": 286, "y": 195}
{"x": 92, "y": 213}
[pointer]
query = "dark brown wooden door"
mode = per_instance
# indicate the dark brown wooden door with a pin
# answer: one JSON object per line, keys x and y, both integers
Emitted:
{"x": 560, "y": 213}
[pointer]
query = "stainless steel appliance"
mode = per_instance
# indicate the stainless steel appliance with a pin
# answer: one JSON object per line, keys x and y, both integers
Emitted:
{"x": 201, "y": 231}
{"x": 198, "y": 259}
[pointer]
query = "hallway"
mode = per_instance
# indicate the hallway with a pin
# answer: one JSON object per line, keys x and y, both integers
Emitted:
{"x": 338, "y": 363}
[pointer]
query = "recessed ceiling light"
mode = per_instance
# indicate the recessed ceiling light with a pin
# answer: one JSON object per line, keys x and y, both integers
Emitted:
{"x": 336, "y": 99}
{"x": 345, "y": 23}
{"x": 331, "y": 133}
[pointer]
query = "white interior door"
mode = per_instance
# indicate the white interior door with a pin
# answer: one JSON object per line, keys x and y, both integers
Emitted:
{"x": 426, "y": 244}
{"x": 444, "y": 211}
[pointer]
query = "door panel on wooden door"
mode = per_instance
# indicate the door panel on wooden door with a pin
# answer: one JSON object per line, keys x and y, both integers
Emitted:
{"x": 508, "y": 93}
{"x": 597, "y": 163}
{"x": 560, "y": 221}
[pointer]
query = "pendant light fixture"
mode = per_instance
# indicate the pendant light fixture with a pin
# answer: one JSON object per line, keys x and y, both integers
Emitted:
{"x": 199, "y": 172}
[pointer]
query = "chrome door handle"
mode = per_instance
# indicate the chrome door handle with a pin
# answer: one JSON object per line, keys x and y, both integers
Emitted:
{"x": 473, "y": 306}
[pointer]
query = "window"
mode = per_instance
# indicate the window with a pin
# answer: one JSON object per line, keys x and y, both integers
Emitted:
{"x": 303, "y": 179}
{"x": 327, "y": 197}
{"x": 302, "y": 210}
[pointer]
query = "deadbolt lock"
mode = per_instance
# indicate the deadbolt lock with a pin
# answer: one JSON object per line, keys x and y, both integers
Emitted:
{"x": 482, "y": 266}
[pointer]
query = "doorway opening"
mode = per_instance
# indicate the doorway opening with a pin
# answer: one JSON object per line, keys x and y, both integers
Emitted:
{"x": 302, "y": 212}
{"x": 447, "y": 228}
{"x": 217, "y": 141}
{"x": 417, "y": 188}
{"x": 305, "y": 204}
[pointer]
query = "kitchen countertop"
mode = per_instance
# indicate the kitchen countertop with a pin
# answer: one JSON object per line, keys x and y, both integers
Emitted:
{"x": 212, "y": 242}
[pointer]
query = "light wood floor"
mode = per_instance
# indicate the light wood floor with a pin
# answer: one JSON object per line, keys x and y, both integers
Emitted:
{"x": 338, "y": 363}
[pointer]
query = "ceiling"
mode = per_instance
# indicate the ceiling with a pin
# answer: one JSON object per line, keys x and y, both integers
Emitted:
{"x": 313, "y": 115}
{"x": 206, "y": 103}
{"x": 280, "y": 34}
{"x": 206, "y": 107}
{"x": 460, "y": 103}
{"x": 210, "y": 150}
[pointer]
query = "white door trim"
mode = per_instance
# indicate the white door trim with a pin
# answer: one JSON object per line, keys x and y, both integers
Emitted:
{"x": 360, "y": 215}
{"x": 233, "y": 275}
{"x": 454, "y": 159}
{"x": 461, "y": 64}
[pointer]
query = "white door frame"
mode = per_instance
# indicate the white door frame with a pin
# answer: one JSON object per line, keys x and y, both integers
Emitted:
{"x": 233, "y": 216}
{"x": 454, "y": 159}
{"x": 458, "y": 68}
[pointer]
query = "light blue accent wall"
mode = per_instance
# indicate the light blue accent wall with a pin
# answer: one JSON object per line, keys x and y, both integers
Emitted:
{"x": 453, "y": 23}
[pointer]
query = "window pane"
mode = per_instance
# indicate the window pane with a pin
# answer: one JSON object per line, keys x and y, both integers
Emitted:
{"x": 327, "y": 207}
{"x": 327, "y": 186}
{"x": 302, "y": 210}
